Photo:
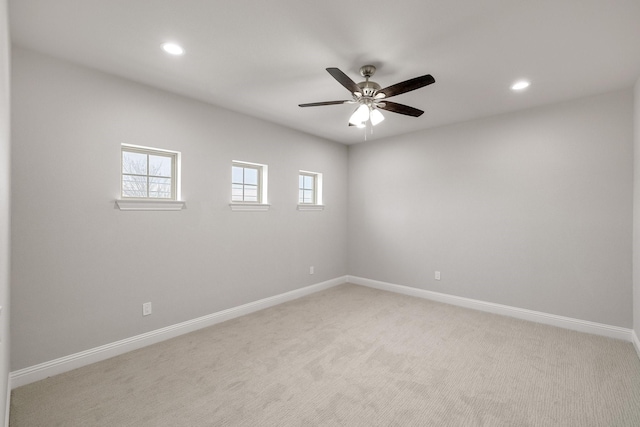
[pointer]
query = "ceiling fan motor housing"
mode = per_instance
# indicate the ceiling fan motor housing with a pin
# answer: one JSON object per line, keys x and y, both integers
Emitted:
{"x": 369, "y": 89}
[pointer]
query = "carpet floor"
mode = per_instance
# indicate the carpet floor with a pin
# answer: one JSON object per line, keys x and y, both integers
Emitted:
{"x": 351, "y": 356}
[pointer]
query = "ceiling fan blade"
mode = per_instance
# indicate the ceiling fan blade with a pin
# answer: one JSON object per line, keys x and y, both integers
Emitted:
{"x": 394, "y": 107}
{"x": 344, "y": 80}
{"x": 317, "y": 104}
{"x": 407, "y": 85}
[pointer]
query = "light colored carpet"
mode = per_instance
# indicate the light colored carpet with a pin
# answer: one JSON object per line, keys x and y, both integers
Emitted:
{"x": 351, "y": 356}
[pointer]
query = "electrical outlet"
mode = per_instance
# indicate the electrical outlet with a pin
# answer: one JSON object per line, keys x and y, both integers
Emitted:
{"x": 311, "y": 270}
{"x": 146, "y": 309}
{"x": 437, "y": 275}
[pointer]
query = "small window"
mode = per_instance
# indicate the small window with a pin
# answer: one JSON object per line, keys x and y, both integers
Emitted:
{"x": 248, "y": 183}
{"x": 149, "y": 173}
{"x": 309, "y": 188}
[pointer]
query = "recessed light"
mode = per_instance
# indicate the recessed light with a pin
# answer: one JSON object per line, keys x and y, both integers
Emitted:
{"x": 172, "y": 48}
{"x": 520, "y": 85}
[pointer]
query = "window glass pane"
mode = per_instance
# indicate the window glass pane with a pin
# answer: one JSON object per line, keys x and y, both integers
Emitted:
{"x": 236, "y": 175}
{"x": 159, "y": 180}
{"x": 236, "y": 192}
{"x": 160, "y": 188}
{"x": 135, "y": 163}
{"x": 300, "y": 196}
{"x": 308, "y": 196}
{"x": 250, "y": 193}
{"x": 251, "y": 176}
{"x": 161, "y": 193}
{"x": 134, "y": 186}
{"x": 159, "y": 165}
{"x": 301, "y": 181}
{"x": 308, "y": 182}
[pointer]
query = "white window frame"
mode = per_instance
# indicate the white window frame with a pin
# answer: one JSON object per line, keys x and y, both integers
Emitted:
{"x": 317, "y": 204}
{"x": 153, "y": 203}
{"x": 263, "y": 184}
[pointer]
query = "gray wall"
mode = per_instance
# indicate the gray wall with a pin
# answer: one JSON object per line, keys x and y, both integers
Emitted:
{"x": 531, "y": 209}
{"x": 636, "y": 211}
{"x": 82, "y": 269}
{"x": 5, "y": 190}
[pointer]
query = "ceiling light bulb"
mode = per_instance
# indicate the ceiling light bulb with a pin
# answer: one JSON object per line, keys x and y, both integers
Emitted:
{"x": 520, "y": 85}
{"x": 376, "y": 116}
{"x": 359, "y": 116}
{"x": 173, "y": 48}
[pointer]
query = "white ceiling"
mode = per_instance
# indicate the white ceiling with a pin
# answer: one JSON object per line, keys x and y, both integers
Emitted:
{"x": 263, "y": 58}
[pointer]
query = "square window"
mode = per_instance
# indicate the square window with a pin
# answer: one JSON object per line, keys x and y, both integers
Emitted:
{"x": 309, "y": 188}
{"x": 248, "y": 182}
{"x": 149, "y": 173}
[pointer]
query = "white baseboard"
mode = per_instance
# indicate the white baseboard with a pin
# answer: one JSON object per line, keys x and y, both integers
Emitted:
{"x": 636, "y": 342}
{"x": 54, "y": 367}
{"x": 505, "y": 310}
{"x": 7, "y": 408}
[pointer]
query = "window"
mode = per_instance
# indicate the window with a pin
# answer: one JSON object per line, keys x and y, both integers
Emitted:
{"x": 245, "y": 183}
{"x": 248, "y": 184}
{"x": 309, "y": 190}
{"x": 149, "y": 173}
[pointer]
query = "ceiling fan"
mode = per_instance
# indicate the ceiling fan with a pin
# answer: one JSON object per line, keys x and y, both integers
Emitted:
{"x": 371, "y": 98}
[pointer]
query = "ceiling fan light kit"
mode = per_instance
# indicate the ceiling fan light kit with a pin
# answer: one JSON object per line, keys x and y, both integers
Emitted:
{"x": 360, "y": 116}
{"x": 371, "y": 98}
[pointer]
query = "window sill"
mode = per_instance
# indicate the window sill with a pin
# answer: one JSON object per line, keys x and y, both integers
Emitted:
{"x": 150, "y": 205}
{"x": 249, "y": 206}
{"x": 310, "y": 207}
